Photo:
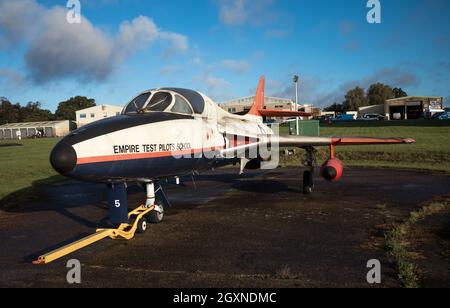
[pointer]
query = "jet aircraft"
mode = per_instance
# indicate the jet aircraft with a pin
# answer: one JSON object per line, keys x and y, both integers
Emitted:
{"x": 170, "y": 132}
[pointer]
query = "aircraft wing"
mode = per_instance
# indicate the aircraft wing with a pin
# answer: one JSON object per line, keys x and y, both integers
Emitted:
{"x": 304, "y": 141}
{"x": 320, "y": 141}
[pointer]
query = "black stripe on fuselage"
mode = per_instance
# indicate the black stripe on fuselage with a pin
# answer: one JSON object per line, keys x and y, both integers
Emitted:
{"x": 121, "y": 122}
{"x": 150, "y": 168}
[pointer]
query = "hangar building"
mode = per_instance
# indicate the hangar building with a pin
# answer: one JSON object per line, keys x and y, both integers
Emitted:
{"x": 242, "y": 105}
{"x": 31, "y": 129}
{"x": 406, "y": 108}
{"x": 413, "y": 107}
{"x": 96, "y": 113}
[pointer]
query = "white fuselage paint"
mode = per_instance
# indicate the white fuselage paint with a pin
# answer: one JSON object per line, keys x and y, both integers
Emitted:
{"x": 212, "y": 130}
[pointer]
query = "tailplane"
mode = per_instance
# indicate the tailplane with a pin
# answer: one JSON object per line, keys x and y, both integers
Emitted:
{"x": 258, "y": 108}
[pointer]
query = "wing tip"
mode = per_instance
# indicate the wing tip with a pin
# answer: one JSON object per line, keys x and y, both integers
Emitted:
{"x": 409, "y": 140}
{"x": 370, "y": 140}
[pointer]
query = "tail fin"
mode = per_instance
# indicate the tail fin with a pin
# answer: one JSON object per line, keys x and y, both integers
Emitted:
{"x": 259, "y": 110}
{"x": 258, "y": 104}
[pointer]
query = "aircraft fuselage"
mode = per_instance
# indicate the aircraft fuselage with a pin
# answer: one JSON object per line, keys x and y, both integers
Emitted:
{"x": 143, "y": 147}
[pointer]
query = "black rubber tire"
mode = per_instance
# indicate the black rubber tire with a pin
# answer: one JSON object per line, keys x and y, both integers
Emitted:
{"x": 308, "y": 183}
{"x": 142, "y": 226}
{"x": 155, "y": 217}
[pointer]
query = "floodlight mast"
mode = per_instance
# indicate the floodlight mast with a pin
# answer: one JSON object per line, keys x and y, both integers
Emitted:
{"x": 296, "y": 80}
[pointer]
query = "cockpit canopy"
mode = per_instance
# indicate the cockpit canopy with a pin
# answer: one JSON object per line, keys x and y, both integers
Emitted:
{"x": 180, "y": 101}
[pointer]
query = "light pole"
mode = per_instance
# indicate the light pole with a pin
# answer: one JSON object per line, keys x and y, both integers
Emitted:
{"x": 296, "y": 80}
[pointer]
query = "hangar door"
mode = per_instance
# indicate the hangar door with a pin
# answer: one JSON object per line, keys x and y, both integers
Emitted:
{"x": 24, "y": 132}
{"x": 48, "y": 132}
{"x": 397, "y": 112}
{"x": 414, "y": 111}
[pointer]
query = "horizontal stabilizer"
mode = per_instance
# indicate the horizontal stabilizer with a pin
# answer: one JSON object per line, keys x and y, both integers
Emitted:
{"x": 282, "y": 113}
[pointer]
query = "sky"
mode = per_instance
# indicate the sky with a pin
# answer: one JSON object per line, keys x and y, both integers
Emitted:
{"x": 221, "y": 48}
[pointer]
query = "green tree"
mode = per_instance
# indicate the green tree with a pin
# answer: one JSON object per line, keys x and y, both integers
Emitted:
{"x": 378, "y": 94}
{"x": 66, "y": 110}
{"x": 354, "y": 99}
{"x": 335, "y": 108}
{"x": 33, "y": 112}
{"x": 398, "y": 92}
{"x": 9, "y": 113}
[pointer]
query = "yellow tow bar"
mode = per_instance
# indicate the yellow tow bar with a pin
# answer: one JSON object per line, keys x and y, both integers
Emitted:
{"x": 125, "y": 231}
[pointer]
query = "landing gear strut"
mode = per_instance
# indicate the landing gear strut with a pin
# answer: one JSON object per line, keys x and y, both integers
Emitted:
{"x": 157, "y": 215}
{"x": 308, "y": 175}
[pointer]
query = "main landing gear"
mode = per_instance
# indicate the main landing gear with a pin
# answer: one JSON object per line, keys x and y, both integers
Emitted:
{"x": 308, "y": 175}
{"x": 128, "y": 223}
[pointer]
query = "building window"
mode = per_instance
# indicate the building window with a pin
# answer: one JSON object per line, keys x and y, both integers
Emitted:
{"x": 117, "y": 114}
{"x": 82, "y": 116}
{"x": 92, "y": 115}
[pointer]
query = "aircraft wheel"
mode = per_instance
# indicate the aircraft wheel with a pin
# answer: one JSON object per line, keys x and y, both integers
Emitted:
{"x": 156, "y": 217}
{"x": 308, "y": 183}
{"x": 142, "y": 225}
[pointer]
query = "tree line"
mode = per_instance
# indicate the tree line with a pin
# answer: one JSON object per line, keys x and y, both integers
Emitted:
{"x": 33, "y": 111}
{"x": 376, "y": 94}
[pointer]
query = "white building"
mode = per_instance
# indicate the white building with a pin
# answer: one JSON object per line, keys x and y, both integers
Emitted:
{"x": 96, "y": 113}
{"x": 34, "y": 129}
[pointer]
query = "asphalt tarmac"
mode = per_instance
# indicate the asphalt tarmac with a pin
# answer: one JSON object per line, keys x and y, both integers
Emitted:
{"x": 224, "y": 230}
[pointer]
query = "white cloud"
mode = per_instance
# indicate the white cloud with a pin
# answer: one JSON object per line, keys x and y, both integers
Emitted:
{"x": 18, "y": 19}
{"x": 63, "y": 50}
{"x": 170, "y": 70}
{"x": 214, "y": 83}
{"x": 82, "y": 51}
{"x": 195, "y": 61}
{"x": 241, "y": 12}
{"x": 237, "y": 66}
{"x": 217, "y": 88}
{"x": 233, "y": 12}
{"x": 132, "y": 35}
{"x": 393, "y": 76}
{"x": 277, "y": 33}
{"x": 11, "y": 78}
{"x": 178, "y": 43}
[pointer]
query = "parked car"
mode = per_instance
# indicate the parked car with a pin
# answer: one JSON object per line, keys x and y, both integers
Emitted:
{"x": 325, "y": 119}
{"x": 343, "y": 118}
{"x": 371, "y": 117}
{"x": 442, "y": 116}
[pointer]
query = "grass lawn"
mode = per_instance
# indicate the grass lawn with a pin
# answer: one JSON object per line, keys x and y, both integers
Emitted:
{"x": 431, "y": 150}
{"x": 23, "y": 163}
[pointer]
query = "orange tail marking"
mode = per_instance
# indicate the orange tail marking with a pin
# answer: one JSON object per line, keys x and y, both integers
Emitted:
{"x": 259, "y": 110}
{"x": 259, "y": 102}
